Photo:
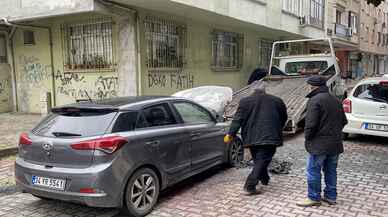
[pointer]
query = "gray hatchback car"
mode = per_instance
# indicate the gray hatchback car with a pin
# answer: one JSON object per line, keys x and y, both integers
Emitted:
{"x": 121, "y": 152}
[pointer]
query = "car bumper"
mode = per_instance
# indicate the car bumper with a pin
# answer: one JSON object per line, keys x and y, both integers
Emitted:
{"x": 356, "y": 126}
{"x": 76, "y": 179}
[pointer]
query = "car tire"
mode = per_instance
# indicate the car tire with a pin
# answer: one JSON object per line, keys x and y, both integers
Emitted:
{"x": 141, "y": 193}
{"x": 236, "y": 153}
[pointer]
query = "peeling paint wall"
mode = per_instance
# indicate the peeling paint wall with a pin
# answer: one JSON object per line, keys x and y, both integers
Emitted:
{"x": 34, "y": 72}
{"x": 5, "y": 88}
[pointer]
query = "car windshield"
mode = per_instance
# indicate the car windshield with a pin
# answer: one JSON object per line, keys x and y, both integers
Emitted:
{"x": 305, "y": 68}
{"x": 374, "y": 92}
{"x": 74, "y": 124}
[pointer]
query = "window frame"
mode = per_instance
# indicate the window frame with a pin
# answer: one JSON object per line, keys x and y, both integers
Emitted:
{"x": 154, "y": 40}
{"x": 90, "y": 36}
{"x": 213, "y": 119}
{"x": 219, "y": 40}
{"x": 4, "y": 59}
{"x": 32, "y": 40}
{"x": 170, "y": 110}
{"x": 293, "y": 7}
{"x": 317, "y": 19}
{"x": 267, "y": 48}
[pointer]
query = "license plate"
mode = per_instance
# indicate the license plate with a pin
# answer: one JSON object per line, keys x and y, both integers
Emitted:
{"x": 58, "y": 184}
{"x": 377, "y": 127}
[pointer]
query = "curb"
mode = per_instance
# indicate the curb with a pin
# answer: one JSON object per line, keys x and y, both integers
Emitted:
{"x": 8, "y": 152}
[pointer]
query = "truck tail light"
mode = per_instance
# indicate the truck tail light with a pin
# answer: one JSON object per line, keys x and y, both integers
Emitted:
{"x": 384, "y": 83}
{"x": 347, "y": 104}
{"x": 24, "y": 139}
{"x": 106, "y": 144}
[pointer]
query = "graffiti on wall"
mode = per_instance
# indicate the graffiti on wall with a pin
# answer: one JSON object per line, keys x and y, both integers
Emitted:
{"x": 4, "y": 85}
{"x": 75, "y": 85}
{"x": 172, "y": 80}
{"x": 34, "y": 72}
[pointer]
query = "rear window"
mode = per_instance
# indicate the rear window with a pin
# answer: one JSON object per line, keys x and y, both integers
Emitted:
{"x": 81, "y": 124}
{"x": 374, "y": 92}
{"x": 306, "y": 68}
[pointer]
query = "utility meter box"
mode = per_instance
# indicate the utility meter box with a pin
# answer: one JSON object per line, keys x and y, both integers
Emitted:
{"x": 45, "y": 103}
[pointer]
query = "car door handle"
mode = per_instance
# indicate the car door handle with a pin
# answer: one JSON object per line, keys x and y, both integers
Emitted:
{"x": 383, "y": 107}
{"x": 195, "y": 134}
{"x": 153, "y": 143}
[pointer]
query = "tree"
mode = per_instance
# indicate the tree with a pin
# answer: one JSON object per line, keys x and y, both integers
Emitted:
{"x": 375, "y": 2}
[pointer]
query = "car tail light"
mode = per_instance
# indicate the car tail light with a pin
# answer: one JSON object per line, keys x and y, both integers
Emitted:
{"x": 384, "y": 83}
{"x": 106, "y": 144}
{"x": 24, "y": 139}
{"x": 87, "y": 190}
{"x": 347, "y": 104}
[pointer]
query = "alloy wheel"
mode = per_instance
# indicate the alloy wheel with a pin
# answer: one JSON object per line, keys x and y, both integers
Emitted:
{"x": 236, "y": 153}
{"x": 143, "y": 192}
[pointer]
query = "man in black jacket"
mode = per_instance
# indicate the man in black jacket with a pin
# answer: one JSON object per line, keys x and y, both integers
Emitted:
{"x": 325, "y": 119}
{"x": 261, "y": 118}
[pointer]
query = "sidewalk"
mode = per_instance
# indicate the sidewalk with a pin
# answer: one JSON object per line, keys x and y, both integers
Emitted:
{"x": 11, "y": 125}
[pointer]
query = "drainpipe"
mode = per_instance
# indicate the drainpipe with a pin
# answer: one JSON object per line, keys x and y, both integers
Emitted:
{"x": 6, "y": 22}
{"x": 137, "y": 22}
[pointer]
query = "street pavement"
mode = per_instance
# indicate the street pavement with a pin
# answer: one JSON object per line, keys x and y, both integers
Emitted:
{"x": 362, "y": 189}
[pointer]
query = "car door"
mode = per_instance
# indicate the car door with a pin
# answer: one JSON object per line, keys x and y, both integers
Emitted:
{"x": 163, "y": 134}
{"x": 207, "y": 147}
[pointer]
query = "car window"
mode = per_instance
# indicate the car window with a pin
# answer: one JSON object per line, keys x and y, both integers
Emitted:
{"x": 374, "y": 92}
{"x": 125, "y": 122}
{"x": 76, "y": 123}
{"x": 159, "y": 115}
{"x": 191, "y": 113}
{"x": 141, "y": 122}
{"x": 305, "y": 68}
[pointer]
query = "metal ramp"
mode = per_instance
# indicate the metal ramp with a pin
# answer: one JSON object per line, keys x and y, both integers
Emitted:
{"x": 292, "y": 91}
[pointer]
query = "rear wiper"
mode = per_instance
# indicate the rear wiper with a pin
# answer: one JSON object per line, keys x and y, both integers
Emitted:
{"x": 61, "y": 134}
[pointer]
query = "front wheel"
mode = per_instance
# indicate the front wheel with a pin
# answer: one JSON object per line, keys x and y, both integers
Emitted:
{"x": 142, "y": 193}
{"x": 236, "y": 152}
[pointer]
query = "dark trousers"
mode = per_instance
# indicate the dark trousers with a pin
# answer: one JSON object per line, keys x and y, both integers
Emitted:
{"x": 262, "y": 157}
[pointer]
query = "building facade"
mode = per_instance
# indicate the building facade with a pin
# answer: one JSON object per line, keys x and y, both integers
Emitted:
{"x": 59, "y": 51}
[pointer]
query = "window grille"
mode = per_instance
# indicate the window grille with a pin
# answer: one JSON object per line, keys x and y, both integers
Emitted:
{"x": 227, "y": 50}
{"x": 88, "y": 46}
{"x": 3, "y": 49}
{"x": 293, "y": 6}
{"x": 317, "y": 12}
{"x": 166, "y": 44}
{"x": 265, "y": 52}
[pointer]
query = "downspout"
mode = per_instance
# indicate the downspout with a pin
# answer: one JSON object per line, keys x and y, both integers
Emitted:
{"x": 14, "y": 84}
{"x": 137, "y": 22}
{"x": 6, "y": 22}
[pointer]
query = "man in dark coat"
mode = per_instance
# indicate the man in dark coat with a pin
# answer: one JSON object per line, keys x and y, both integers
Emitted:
{"x": 325, "y": 120}
{"x": 261, "y": 118}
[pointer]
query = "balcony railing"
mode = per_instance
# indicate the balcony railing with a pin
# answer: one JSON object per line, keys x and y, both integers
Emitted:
{"x": 343, "y": 31}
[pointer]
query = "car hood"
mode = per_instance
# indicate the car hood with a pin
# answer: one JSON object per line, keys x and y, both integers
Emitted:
{"x": 214, "y": 98}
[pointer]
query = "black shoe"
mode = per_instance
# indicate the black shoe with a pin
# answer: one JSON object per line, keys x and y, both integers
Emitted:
{"x": 264, "y": 181}
{"x": 249, "y": 191}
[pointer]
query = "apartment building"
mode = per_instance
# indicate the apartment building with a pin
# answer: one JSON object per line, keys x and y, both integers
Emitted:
{"x": 61, "y": 51}
{"x": 374, "y": 38}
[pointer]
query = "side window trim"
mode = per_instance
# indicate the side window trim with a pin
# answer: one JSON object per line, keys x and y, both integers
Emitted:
{"x": 201, "y": 108}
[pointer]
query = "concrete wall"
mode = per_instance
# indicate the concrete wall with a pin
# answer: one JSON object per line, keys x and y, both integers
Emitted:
{"x": 197, "y": 71}
{"x": 5, "y": 88}
{"x": 34, "y": 70}
{"x": 27, "y": 9}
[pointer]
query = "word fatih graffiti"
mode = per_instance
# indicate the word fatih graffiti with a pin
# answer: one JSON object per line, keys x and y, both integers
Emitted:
{"x": 170, "y": 80}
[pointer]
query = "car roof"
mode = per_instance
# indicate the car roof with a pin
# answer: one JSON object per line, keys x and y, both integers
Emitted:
{"x": 121, "y": 103}
{"x": 373, "y": 80}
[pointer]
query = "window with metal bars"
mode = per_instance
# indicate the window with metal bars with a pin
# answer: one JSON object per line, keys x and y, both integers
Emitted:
{"x": 88, "y": 46}
{"x": 317, "y": 10}
{"x": 293, "y": 6}
{"x": 265, "y": 52}
{"x": 166, "y": 44}
{"x": 227, "y": 50}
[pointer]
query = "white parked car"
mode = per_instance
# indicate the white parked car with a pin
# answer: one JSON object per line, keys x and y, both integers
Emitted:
{"x": 367, "y": 108}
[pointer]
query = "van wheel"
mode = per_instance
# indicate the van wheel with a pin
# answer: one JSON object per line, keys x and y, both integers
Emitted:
{"x": 236, "y": 153}
{"x": 142, "y": 193}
